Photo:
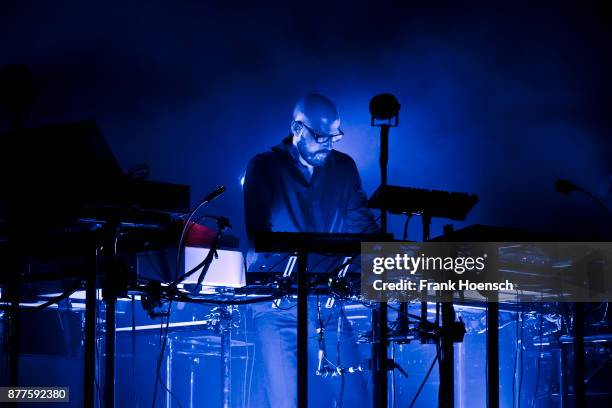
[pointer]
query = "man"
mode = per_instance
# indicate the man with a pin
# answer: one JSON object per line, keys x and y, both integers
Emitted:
{"x": 303, "y": 185}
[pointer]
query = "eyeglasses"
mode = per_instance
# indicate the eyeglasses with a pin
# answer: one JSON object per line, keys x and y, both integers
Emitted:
{"x": 321, "y": 138}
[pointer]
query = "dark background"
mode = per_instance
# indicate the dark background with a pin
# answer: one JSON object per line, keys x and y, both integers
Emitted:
{"x": 498, "y": 100}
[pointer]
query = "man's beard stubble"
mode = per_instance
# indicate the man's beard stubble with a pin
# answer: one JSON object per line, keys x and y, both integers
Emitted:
{"x": 317, "y": 158}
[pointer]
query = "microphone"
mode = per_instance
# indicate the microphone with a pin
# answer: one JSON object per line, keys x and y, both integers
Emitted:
{"x": 214, "y": 194}
{"x": 211, "y": 196}
{"x": 384, "y": 107}
{"x": 565, "y": 187}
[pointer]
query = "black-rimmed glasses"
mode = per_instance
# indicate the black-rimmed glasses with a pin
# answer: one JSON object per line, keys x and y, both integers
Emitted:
{"x": 322, "y": 138}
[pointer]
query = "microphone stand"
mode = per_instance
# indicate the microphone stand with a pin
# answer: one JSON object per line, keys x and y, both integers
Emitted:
{"x": 595, "y": 199}
{"x": 222, "y": 224}
{"x": 567, "y": 187}
{"x": 382, "y": 107}
{"x": 385, "y": 108}
{"x": 380, "y": 338}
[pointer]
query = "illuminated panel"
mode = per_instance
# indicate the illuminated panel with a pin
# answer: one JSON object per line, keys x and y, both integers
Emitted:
{"x": 226, "y": 270}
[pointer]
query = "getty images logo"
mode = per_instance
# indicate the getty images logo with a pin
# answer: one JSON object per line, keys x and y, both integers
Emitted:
{"x": 414, "y": 264}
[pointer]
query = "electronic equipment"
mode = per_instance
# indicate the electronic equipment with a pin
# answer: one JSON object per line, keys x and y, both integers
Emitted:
{"x": 328, "y": 243}
{"x": 226, "y": 270}
{"x": 433, "y": 203}
{"x": 70, "y": 168}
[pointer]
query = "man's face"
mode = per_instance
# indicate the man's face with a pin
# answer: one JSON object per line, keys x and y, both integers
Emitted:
{"x": 312, "y": 152}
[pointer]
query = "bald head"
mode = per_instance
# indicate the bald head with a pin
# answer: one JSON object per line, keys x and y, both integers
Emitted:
{"x": 317, "y": 112}
{"x": 315, "y": 125}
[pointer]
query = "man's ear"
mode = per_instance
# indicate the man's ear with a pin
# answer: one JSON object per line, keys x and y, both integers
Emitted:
{"x": 296, "y": 128}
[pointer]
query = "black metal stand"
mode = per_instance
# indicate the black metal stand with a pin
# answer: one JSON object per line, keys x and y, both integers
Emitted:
{"x": 89, "y": 363}
{"x": 426, "y": 221}
{"x": 579, "y": 386}
{"x": 112, "y": 284}
{"x": 446, "y": 392}
{"x": 383, "y": 107}
{"x": 380, "y": 341}
{"x": 493, "y": 352}
{"x": 11, "y": 318}
{"x": 13, "y": 338}
{"x": 446, "y": 356}
{"x": 383, "y": 161}
{"x": 492, "y": 334}
{"x": 380, "y": 344}
{"x": 109, "y": 354}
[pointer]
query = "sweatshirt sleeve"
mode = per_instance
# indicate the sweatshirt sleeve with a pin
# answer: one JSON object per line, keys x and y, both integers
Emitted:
{"x": 359, "y": 218}
{"x": 258, "y": 197}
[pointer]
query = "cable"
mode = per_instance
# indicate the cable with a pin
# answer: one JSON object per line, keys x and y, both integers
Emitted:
{"x": 521, "y": 355}
{"x": 433, "y": 363}
{"x": 157, "y": 272}
{"x": 341, "y": 394}
{"x": 284, "y": 308}
{"x": 159, "y": 357}
{"x": 207, "y": 259}
{"x": 185, "y": 228}
{"x": 139, "y": 171}
{"x": 158, "y": 379}
{"x": 194, "y": 223}
{"x": 350, "y": 261}
{"x": 337, "y": 269}
{"x": 182, "y": 297}
{"x": 405, "y": 236}
{"x": 59, "y": 298}
{"x": 163, "y": 338}
{"x": 418, "y": 318}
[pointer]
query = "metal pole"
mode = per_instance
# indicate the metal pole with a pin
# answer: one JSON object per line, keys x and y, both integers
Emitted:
{"x": 194, "y": 362}
{"x": 563, "y": 376}
{"x": 446, "y": 359}
{"x": 446, "y": 394}
{"x": 493, "y": 352}
{"x": 13, "y": 335}
{"x": 393, "y": 396}
{"x": 89, "y": 371}
{"x": 226, "y": 356}
{"x": 492, "y": 333}
{"x": 579, "y": 355}
{"x": 380, "y": 340}
{"x": 109, "y": 343}
{"x": 169, "y": 372}
{"x": 302, "y": 330}
{"x": 384, "y": 160}
{"x": 380, "y": 343}
{"x": 426, "y": 220}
